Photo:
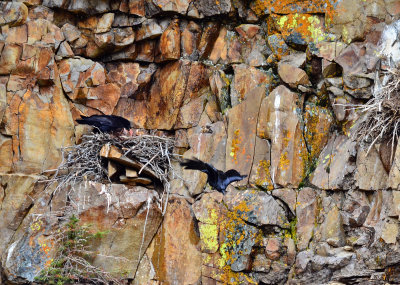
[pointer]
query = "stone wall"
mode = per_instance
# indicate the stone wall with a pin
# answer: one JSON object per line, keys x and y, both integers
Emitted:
{"x": 260, "y": 86}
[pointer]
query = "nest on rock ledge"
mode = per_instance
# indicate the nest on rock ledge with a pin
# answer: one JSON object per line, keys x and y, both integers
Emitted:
{"x": 134, "y": 160}
{"x": 380, "y": 120}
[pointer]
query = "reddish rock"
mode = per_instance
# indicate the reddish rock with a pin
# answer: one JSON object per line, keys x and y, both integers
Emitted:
{"x": 125, "y": 75}
{"x": 166, "y": 95}
{"x": 245, "y": 79}
{"x": 16, "y": 13}
{"x": 17, "y": 35}
{"x": 292, "y": 75}
{"x": 104, "y": 23}
{"x": 71, "y": 33}
{"x": 104, "y": 97}
{"x": 9, "y": 58}
{"x": 212, "y": 8}
{"x": 137, "y": 7}
{"x": 208, "y": 37}
{"x": 191, "y": 37}
{"x": 133, "y": 110}
{"x": 219, "y": 50}
{"x": 242, "y": 126}
{"x": 178, "y": 244}
{"x": 170, "y": 45}
{"x": 219, "y": 84}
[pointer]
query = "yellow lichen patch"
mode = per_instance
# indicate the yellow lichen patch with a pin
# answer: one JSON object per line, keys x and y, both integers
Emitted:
{"x": 263, "y": 174}
{"x": 209, "y": 237}
{"x": 236, "y": 141}
{"x": 308, "y": 27}
{"x": 235, "y": 232}
{"x": 284, "y": 162}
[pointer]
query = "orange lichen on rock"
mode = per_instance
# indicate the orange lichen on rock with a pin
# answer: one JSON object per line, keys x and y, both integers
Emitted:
{"x": 264, "y": 174}
{"x": 235, "y": 145}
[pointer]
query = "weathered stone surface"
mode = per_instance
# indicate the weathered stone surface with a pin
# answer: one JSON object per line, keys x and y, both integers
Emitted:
{"x": 178, "y": 6}
{"x": 191, "y": 36}
{"x": 170, "y": 44}
{"x": 280, "y": 123}
{"x": 256, "y": 207}
{"x": 336, "y": 163}
{"x": 242, "y": 124}
{"x": 178, "y": 244}
{"x": 292, "y": 75}
{"x": 394, "y": 174}
{"x": 332, "y": 228}
{"x": 355, "y": 208}
{"x": 306, "y": 212}
{"x": 9, "y": 58}
{"x": 15, "y": 14}
{"x": 370, "y": 173}
{"x": 149, "y": 29}
{"x": 245, "y": 79}
{"x": 211, "y": 8}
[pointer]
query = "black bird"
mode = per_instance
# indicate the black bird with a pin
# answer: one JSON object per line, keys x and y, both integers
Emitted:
{"x": 217, "y": 179}
{"x": 106, "y": 123}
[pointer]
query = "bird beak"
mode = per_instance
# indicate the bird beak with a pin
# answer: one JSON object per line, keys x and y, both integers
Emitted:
{"x": 130, "y": 132}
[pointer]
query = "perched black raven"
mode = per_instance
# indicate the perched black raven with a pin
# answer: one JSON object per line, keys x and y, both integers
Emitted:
{"x": 106, "y": 123}
{"x": 217, "y": 179}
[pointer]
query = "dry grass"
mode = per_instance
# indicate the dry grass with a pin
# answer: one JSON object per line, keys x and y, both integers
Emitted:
{"x": 380, "y": 116}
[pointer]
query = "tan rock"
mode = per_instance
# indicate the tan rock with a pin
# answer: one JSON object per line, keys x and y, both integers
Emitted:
{"x": 18, "y": 34}
{"x": 390, "y": 232}
{"x": 280, "y": 123}
{"x": 242, "y": 127}
{"x": 335, "y": 163}
{"x": 104, "y": 98}
{"x": 65, "y": 50}
{"x": 170, "y": 43}
{"x": 245, "y": 79}
{"x": 179, "y": 6}
{"x": 123, "y": 36}
{"x": 9, "y": 58}
{"x": 104, "y": 23}
{"x": 292, "y": 75}
{"x": 71, "y": 33}
{"x": 332, "y": 228}
{"x": 15, "y": 203}
{"x": 260, "y": 172}
{"x": 16, "y": 13}
{"x": 370, "y": 173}
{"x": 149, "y": 30}
{"x": 133, "y": 110}
{"x": 219, "y": 84}
{"x": 125, "y": 75}
{"x": 306, "y": 212}
{"x": 178, "y": 244}
{"x": 219, "y": 50}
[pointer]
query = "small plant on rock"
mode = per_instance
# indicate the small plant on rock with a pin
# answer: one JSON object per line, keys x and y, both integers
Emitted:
{"x": 71, "y": 262}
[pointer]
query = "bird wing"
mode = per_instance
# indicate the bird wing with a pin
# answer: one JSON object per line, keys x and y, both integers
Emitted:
{"x": 105, "y": 123}
{"x": 196, "y": 164}
{"x": 232, "y": 176}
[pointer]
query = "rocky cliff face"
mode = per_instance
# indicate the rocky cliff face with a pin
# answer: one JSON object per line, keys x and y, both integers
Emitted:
{"x": 260, "y": 86}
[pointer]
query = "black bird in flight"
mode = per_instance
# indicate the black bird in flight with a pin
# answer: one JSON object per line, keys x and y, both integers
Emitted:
{"x": 106, "y": 123}
{"x": 217, "y": 179}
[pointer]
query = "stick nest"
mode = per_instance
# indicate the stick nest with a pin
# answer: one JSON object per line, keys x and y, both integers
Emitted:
{"x": 380, "y": 121}
{"x": 83, "y": 162}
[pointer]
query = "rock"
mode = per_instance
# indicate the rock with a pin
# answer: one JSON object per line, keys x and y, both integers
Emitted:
{"x": 396, "y": 202}
{"x": 17, "y": 191}
{"x": 253, "y": 46}
{"x": 166, "y": 95}
{"x": 210, "y": 212}
{"x": 306, "y": 213}
{"x": 15, "y": 14}
{"x": 103, "y": 98}
{"x": 180, "y": 7}
{"x": 256, "y": 207}
{"x": 288, "y": 196}
{"x": 260, "y": 171}
{"x": 332, "y": 228}
{"x": 74, "y": 6}
{"x": 9, "y": 58}
{"x": 245, "y": 80}
{"x": 208, "y": 38}
{"x": 394, "y": 174}
{"x": 278, "y": 45}
{"x": 390, "y": 232}
{"x": 170, "y": 43}
{"x": 328, "y": 50}
{"x": 292, "y": 75}
{"x": 219, "y": 84}
{"x": 149, "y": 30}
{"x": 211, "y": 8}
{"x": 242, "y": 131}
{"x": 370, "y": 172}
{"x": 279, "y": 122}
{"x": 178, "y": 244}
{"x": 104, "y": 23}
{"x": 71, "y": 33}
{"x": 355, "y": 208}
{"x": 261, "y": 263}
{"x": 125, "y": 75}
{"x": 65, "y": 50}
{"x": 191, "y": 36}
{"x": 335, "y": 165}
